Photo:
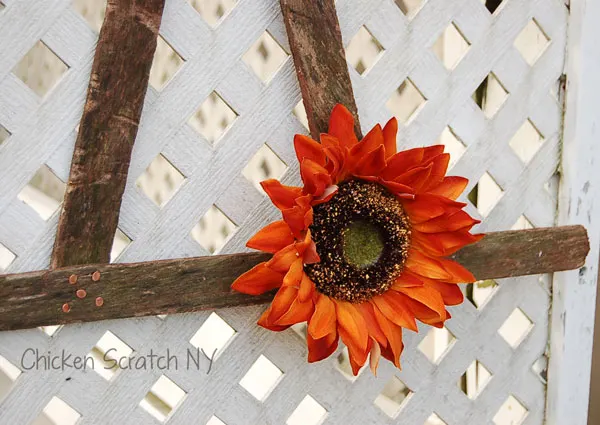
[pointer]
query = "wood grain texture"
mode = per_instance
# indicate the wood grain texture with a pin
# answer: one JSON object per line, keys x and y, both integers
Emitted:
{"x": 107, "y": 132}
{"x": 193, "y": 284}
{"x": 319, "y": 57}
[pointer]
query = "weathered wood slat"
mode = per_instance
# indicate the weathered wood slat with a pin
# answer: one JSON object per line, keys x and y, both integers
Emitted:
{"x": 319, "y": 57}
{"x": 192, "y": 284}
{"x": 107, "y": 131}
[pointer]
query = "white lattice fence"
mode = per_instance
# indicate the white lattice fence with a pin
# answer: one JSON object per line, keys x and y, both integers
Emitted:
{"x": 488, "y": 367}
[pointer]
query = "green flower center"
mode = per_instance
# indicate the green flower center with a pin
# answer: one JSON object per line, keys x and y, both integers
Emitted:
{"x": 363, "y": 243}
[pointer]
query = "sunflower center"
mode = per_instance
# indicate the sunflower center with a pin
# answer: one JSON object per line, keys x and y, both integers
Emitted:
{"x": 362, "y": 236}
{"x": 363, "y": 243}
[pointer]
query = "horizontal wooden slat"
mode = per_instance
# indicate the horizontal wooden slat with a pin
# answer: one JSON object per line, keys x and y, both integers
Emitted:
{"x": 192, "y": 284}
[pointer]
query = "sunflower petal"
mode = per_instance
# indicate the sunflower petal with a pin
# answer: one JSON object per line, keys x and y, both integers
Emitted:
{"x": 389, "y": 135}
{"x": 307, "y": 288}
{"x": 405, "y": 160}
{"x": 258, "y": 280}
{"x": 393, "y": 333}
{"x": 439, "y": 166}
{"x": 427, "y": 206}
{"x": 374, "y": 357}
{"x": 447, "y": 223}
{"x": 319, "y": 349}
{"x": 341, "y": 126}
{"x": 424, "y": 265}
{"x": 324, "y": 320}
{"x": 316, "y": 178}
{"x": 375, "y": 332}
{"x": 458, "y": 273}
{"x": 282, "y": 196}
{"x": 407, "y": 280}
{"x": 451, "y": 187}
{"x": 369, "y": 143}
{"x": 427, "y": 296}
{"x": 307, "y": 148}
{"x": 371, "y": 164}
{"x": 299, "y": 312}
{"x": 450, "y": 292}
{"x": 352, "y": 327}
{"x": 294, "y": 275}
{"x": 395, "y": 309}
{"x": 272, "y": 238}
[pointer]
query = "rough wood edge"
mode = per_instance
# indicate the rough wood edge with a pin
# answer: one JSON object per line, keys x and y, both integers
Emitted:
{"x": 191, "y": 284}
{"x": 108, "y": 128}
{"x": 319, "y": 57}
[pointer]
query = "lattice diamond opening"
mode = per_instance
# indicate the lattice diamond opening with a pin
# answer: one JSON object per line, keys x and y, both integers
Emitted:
{"x": 57, "y": 412}
{"x": 434, "y": 420}
{"x": 480, "y": 292}
{"x": 451, "y": 46}
{"x": 492, "y": 5}
{"x": 308, "y": 412}
{"x": 160, "y": 180}
{"x": 44, "y": 193}
{"x": 213, "y": 230}
{"x": 165, "y": 64}
{"x": 265, "y": 164}
{"x": 394, "y": 397}
{"x": 163, "y": 399}
{"x": 299, "y": 112}
{"x": 532, "y": 42}
{"x": 8, "y": 376}
{"x": 213, "y": 336}
{"x": 50, "y": 330}
{"x": 436, "y": 344}
{"x": 452, "y": 145}
{"x": 6, "y": 257}
{"x": 110, "y": 355}
{"x": 40, "y": 69}
{"x": 522, "y": 223}
{"x": 512, "y": 412}
{"x": 410, "y": 7}
{"x": 363, "y": 51}
{"x": 540, "y": 368}
{"x": 490, "y": 95}
{"x": 265, "y": 57}
{"x": 120, "y": 243}
{"x": 4, "y": 134}
{"x": 213, "y": 119}
{"x": 486, "y": 194}
{"x": 406, "y": 102}
{"x": 515, "y": 328}
{"x": 527, "y": 141}
{"x": 213, "y": 12}
{"x": 215, "y": 421}
{"x": 262, "y": 377}
{"x": 474, "y": 380}
{"x": 92, "y": 11}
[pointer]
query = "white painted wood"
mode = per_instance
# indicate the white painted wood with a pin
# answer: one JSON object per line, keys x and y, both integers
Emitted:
{"x": 574, "y": 297}
{"x": 43, "y": 132}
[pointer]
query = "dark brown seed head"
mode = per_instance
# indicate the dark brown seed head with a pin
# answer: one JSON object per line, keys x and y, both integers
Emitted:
{"x": 338, "y": 274}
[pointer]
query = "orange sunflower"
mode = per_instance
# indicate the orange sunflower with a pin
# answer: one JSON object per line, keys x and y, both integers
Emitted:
{"x": 359, "y": 253}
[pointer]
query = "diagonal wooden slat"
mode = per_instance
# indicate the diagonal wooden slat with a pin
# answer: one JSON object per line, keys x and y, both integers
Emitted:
{"x": 107, "y": 132}
{"x": 320, "y": 60}
{"x": 200, "y": 283}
